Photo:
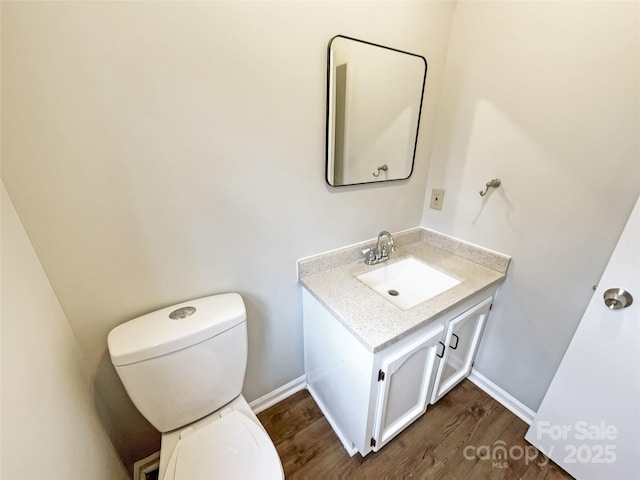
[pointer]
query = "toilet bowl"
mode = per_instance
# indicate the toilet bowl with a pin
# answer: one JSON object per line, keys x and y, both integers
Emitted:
{"x": 183, "y": 368}
{"x": 230, "y": 444}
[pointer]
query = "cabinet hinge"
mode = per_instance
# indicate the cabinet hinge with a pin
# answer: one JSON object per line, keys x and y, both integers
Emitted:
{"x": 380, "y": 375}
{"x": 373, "y": 442}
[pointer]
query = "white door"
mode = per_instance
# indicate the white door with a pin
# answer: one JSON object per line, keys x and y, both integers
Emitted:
{"x": 405, "y": 380}
{"x": 589, "y": 420}
{"x": 461, "y": 344}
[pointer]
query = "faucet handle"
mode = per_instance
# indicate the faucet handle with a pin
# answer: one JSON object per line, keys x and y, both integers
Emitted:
{"x": 370, "y": 255}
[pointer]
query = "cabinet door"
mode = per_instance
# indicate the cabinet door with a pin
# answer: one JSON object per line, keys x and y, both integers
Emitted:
{"x": 461, "y": 340}
{"x": 405, "y": 381}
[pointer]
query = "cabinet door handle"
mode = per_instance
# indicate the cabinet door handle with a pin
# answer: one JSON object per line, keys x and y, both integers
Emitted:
{"x": 443, "y": 349}
{"x": 457, "y": 340}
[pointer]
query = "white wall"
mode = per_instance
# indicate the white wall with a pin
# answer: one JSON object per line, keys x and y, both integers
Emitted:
{"x": 49, "y": 426}
{"x": 545, "y": 96}
{"x": 160, "y": 151}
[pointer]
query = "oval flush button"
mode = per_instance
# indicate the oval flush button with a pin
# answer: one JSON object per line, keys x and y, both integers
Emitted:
{"x": 181, "y": 313}
{"x": 617, "y": 298}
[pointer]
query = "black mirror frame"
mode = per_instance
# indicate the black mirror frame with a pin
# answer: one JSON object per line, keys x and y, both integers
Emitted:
{"x": 328, "y": 106}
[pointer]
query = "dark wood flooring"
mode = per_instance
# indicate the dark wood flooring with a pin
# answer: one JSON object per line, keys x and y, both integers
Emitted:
{"x": 432, "y": 447}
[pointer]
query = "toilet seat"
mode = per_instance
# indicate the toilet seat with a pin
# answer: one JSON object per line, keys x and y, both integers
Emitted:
{"x": 231, "y": 447}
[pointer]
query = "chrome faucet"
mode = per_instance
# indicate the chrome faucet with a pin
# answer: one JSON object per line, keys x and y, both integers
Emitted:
{"x": 378, "y": 253}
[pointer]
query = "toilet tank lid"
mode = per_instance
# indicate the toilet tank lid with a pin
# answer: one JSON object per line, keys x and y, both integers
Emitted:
{"x": 156, "y": 333}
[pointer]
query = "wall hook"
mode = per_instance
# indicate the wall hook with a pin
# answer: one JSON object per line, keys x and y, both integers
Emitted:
{"x": 384, "y": 168}
{"x": 495, "y": 183}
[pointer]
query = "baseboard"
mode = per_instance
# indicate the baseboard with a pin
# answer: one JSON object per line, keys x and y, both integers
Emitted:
{"x": 279, "y": 394}
{"x": 511, "y": 403}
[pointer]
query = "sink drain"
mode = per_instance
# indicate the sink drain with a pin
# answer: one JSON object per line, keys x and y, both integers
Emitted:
{"x": 393, "y": 293}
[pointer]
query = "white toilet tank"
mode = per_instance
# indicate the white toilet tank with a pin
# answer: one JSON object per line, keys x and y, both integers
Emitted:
{"x": 183, "y": 362}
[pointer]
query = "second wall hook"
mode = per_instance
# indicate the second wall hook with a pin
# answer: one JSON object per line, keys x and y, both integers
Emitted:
{"x": 495, "y": 183}
{"x": 384, "y": 168}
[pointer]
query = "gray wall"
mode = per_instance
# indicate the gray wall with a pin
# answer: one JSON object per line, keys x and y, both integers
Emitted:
{"x": 49, "y": 424}
{"x": 160, "y": 151}
{"x": 545, "y": 96}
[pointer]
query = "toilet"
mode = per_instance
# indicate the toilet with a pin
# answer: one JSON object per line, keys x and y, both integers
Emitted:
{"x": 183, "y": 367}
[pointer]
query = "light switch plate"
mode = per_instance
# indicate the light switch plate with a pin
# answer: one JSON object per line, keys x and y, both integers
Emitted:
{"x": 437, "y": 197}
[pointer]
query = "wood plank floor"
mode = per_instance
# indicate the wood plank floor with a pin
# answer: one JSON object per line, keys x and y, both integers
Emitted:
{"x": 435, "y": 446}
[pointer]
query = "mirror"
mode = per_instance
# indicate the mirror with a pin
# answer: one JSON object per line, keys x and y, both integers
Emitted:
{"x": 374, "y": 100}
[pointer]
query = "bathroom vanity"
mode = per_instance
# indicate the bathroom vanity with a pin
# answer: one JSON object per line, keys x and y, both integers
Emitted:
{"x": 374, "y": 367}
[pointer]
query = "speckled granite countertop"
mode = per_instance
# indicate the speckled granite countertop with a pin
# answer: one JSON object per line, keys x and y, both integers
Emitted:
{"x": 330, "y": 277}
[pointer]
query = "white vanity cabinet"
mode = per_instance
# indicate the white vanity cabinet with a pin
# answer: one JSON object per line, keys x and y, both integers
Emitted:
{"x": 462, "y": 339}
{"x": 367, "y": 397}
{"x": 405, "y": 378}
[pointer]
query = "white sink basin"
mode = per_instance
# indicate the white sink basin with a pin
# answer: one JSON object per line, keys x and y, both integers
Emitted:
{"x": 408, "y": 282}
